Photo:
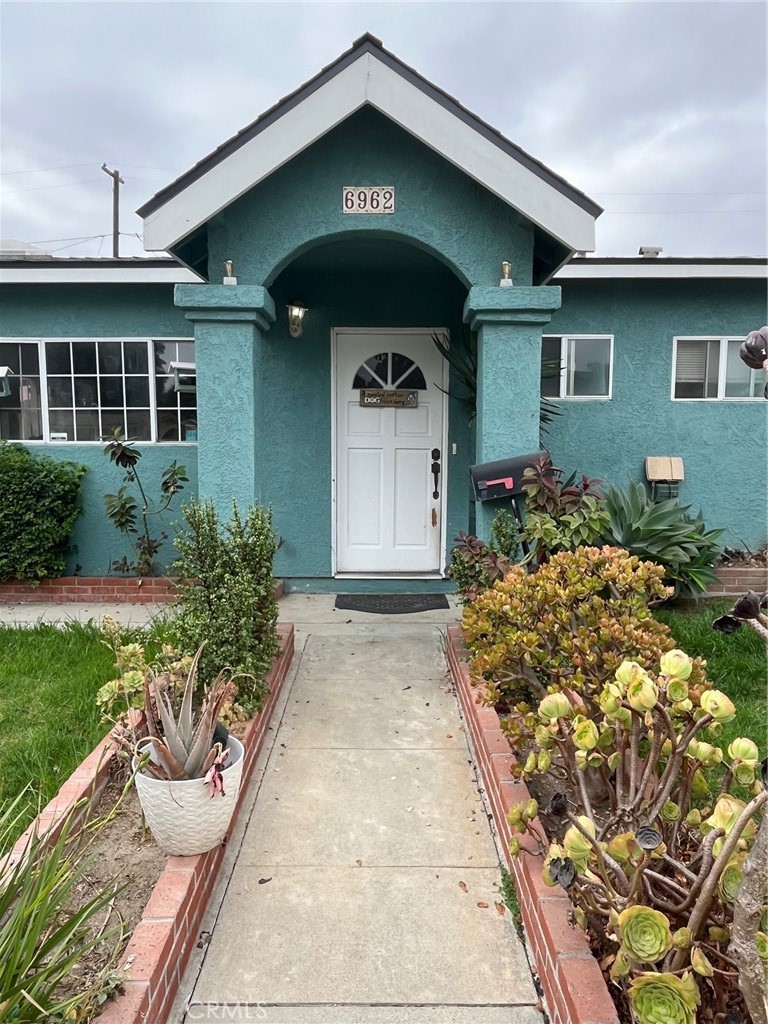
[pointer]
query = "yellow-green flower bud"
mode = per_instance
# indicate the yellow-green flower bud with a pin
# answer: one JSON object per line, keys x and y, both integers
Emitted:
{"x": 577, "y": 846}
{"x": 682, "y": 707}
{"x": 644, "y": 934}
{"x": 642, "y": 693}
{"x": 743, "y": 749}
{"x": 515, "y": 814}
{"x": 677, "y": 690}
{"x": 613, "y": 760}
{"x": 714, "y": 729}
{"x": 555, "y": 705}
{"x": 693, "y": 818}
{"x": 676, "y": 663}
{"x": 543, "y": 760}
{"x": 620, "y": 966}
{"x": 514, "y": 846}
{"x": 717, "y": 704}
{"x": 530, "y": 764}
{"x": 580, "y": 917}
{"x": 531, "y": 810}
{"x": 581, "y": 758}
{"x": 726, "y": 813}
{"x": 761, "y": 941}
{"x": 585, "y": 734}
{"x": 700, "y": 963}
{"x": 699, "y": 786}
{"x": 744, "y": 774}
{"x": 628, "y": 672}
{"x": 609, "y": 701}
{"x": 730, "y": 880}
{"x": 719, "y": 935}
{"x": 682, "y": 938}
{"x": 624, "y": 717}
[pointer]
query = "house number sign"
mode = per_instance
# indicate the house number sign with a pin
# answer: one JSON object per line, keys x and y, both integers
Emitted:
{"x": 398, "y": 399}
{"x": 368, "y": 199}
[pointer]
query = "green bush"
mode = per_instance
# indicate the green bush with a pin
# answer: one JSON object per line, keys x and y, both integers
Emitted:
{"x": 38, "y": 508}
{"x": 561, "y": 515}
{"x": 228, "y": 595}
{"x": 475, "y": 565}
{"x": 663, "y": 533}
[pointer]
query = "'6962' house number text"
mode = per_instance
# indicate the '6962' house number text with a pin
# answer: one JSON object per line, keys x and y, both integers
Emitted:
{"x": 368, "y": 199}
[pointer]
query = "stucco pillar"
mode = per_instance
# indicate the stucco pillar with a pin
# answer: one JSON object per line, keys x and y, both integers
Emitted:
{"x": 509, "y": 323}
{"x": 229, "y": 323}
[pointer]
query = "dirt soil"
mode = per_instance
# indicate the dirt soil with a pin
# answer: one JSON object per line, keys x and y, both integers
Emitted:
{"x": 124, "y": 852}
{"x": 736, "y": 557}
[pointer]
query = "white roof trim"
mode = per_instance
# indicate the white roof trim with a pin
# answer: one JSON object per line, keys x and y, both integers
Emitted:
{"x": 369, "y": 80}
{"x": 133, "y": 274}
{"x": 656, "y": 269}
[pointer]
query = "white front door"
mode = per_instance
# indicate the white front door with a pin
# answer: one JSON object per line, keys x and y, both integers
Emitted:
{"x": 389, "y": 502}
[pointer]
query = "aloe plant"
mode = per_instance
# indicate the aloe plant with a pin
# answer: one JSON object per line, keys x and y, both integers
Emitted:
{"x": 664, "y": 533}
{"x": 183, "y": 745}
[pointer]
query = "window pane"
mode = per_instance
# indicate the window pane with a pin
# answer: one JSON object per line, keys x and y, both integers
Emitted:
{"x": 136, "y": 391}
{"x": 110, "y": 419}
{"x": 86, "y": 395}
{"x": 9, "y": 356}
{"x": 740, "y": 380}
{"x": 550, "y": 367}
{"x": 188, "y": 399}
{"x": 713, "y": 368}
{"x": 188, "y": 426}
{"x": 186, "y": 352}
{"x": 57, "y": 357}
{"x": 111, "y": 391}
{"x": 166, "y": 396}
{"x": 365, "y": 379}
{"x": 380, "y": 366}
{"x": 87, "y": 425}
{"x": 110, "y": 357}
{"x": 84, "y": 356}
{"x": 30, "y": 360}
{"x": 61, "y": 422}
{"x": 138, "y": 424}
{"x": 400, "y": 366}
{"x": 59, "y": 391}
{"x": 414, "y": 380}
{"x": 135, "y": 355}
{"x": 588, "y": 367}
{"x": 10, "y": 425}
{"x": 165, "y": 354}
{"x": 691, "y": 367}
{"x": 167, "y": 426}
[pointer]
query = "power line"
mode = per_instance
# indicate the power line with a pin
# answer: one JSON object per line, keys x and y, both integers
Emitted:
{"x": 80, "y": 241}
{"x": 45, "y": 170}
{"x": 38, "y": 188}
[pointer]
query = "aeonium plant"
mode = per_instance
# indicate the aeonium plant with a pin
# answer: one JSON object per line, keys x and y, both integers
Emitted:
{"x": 654, "y": 874}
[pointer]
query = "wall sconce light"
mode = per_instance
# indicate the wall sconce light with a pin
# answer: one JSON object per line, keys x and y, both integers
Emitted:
{"x": 296, "y": 319}
{"x": 5, "y": 385}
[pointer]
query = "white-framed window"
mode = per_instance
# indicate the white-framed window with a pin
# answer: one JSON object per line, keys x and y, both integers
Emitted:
{"x": 585, "y": 363}
{"x": 77, "y": 390}
{"x": 710, "y": 369}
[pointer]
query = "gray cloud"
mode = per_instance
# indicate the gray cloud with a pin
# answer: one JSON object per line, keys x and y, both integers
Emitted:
{"x": 657, "y": 110}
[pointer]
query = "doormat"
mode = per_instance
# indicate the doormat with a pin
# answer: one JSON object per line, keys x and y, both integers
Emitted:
{"x": 391, "y": 604}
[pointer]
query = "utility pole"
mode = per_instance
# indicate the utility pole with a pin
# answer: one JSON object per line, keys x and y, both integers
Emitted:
{"x": 117, "y": 181}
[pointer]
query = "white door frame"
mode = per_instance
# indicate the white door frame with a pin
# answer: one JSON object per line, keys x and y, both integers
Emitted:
{"x": 444, "y": 461}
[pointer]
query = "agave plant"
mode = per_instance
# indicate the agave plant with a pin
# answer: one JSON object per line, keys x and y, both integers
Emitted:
{"x": 184, "y": 746}
{"x": 664, "y": 533}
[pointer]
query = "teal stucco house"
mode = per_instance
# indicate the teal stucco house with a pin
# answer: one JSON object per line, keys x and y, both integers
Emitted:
{"x": 284, "y": 350}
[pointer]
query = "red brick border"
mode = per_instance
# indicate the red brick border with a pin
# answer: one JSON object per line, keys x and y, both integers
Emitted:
{"x": 160, "y": 945}
{"x": 573, "y": 985}
{"x": 106, "y": 589}
{"x": 738, "y": 579}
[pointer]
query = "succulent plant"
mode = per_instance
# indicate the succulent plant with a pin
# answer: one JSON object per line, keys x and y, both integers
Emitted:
{"x": 645, "y": 934}
{"x": 183, "y": 745}
{"x": 664, "y": 998}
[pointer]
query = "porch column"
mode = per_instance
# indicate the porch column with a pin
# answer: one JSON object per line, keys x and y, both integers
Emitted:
{"x": 509, "y": 323}
{"x": 229, "y": 323}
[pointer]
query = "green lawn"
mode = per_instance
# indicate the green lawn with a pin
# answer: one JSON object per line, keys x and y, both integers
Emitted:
{"x": 736, "y": 664}
{"x": 48, "y": 716}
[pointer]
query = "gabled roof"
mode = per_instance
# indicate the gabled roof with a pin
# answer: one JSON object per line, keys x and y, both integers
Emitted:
{"x": 369, "y": 74}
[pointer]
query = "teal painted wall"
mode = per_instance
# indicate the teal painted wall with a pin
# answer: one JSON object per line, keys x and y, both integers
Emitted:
{"x": 437, "y": 207}
{"x": 93, "y": 311}
{"x": 294, "y": 460}
{"x": 723, "y": 444}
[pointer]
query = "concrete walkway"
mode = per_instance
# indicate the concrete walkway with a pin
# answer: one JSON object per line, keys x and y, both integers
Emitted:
{"x": 353, "y": 885}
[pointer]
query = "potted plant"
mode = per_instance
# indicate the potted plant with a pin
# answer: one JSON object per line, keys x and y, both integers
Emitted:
{"x": 188, "y": 769}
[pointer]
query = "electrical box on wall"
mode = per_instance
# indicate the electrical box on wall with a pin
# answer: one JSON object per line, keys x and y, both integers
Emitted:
{"x": 664, "y": 471}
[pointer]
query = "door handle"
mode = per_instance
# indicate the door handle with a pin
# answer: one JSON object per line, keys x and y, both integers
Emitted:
{"x": 436, "y": 472}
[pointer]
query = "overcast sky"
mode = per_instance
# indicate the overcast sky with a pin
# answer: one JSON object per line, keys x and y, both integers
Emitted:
{"x": 655, "y": 110}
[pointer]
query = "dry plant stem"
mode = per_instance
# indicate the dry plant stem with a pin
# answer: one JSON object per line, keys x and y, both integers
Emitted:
{"x": 759, "y": 627}
{"x": 678, "y": 867}
{"x": 667, "y": 882}
{"x": 620, "y": 769}
{"x": 633, "y": 757}
{"x": 650, "y": 765}
{"x": 603, "y": 859}
{"x": 672, "y": 771}
{"x": 703, "y": 904}
{"x": 746, "y": 922}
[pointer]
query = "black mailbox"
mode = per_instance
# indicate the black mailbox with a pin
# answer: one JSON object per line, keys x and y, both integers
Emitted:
{"x": 503, "y": 478}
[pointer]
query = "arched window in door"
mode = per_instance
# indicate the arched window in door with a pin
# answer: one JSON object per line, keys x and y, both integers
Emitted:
{"x": 390, "y": 370}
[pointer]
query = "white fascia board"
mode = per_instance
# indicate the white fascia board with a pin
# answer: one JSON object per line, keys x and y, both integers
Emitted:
{"x": 284, "y": 139}
{"x": 368, "y": 80}
{"x": 656, "y": 270}
{"x": 135, "y": 274}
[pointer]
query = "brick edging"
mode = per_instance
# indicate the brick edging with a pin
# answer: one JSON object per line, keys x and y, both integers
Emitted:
{"x": 575, "y": 991}
{"x": 738, "y": 579}
{"x": 98, "y": 589}
{"x": 161, "y": 942}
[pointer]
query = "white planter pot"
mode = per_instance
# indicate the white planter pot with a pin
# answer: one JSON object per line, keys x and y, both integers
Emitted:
{"x": 183, "y": 816}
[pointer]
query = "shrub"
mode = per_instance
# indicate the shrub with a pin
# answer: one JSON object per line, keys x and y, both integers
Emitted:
{"x": 560, "y": 514}
{"x": 475, "y": 565}
{"x": 228, "y": 595}
{"x": 38, "y": 508}
{"x": 654, "y": 877}
{"x": 664, "y": 533}
{"x": 568, "y": 625}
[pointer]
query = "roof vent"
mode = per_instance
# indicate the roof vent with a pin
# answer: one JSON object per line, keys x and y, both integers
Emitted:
{"x": 12, "y": 248}
{"x": 650, "y": 252}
